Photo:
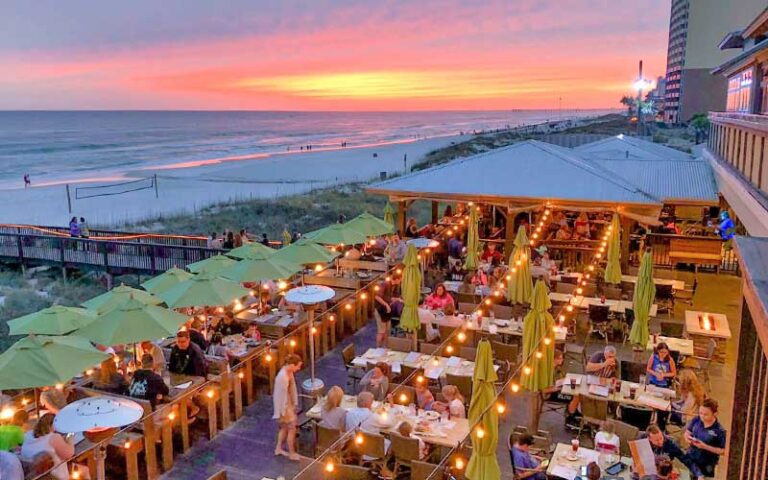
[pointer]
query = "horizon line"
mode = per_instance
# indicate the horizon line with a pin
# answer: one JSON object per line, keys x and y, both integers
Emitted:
{"x": 141, "y": 110}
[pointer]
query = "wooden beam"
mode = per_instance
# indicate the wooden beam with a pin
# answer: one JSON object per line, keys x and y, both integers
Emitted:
{"x": 509, "y": 234}
{"x": 402, "y": 213}
{"x": 434, "y": 212}
{"x": 626, "y": 230}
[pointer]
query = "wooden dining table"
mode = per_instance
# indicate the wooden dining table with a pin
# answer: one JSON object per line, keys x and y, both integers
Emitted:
{"x": 596, "y": 388}
{"x": 684, "y": 346}
{"x": 493, "y": 326}
{"x": 435, "y": 367}
{"x": 579, "y": 301}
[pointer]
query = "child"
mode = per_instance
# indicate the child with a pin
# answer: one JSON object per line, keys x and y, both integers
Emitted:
{"x": 406, "y": 429}
{"x": 606, "y": 440}
{"x": 454, "y": 402}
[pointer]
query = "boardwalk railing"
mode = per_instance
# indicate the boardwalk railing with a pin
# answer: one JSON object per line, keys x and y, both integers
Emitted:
{"x": 141, "y": 255}
{"x": 133, "y": 237}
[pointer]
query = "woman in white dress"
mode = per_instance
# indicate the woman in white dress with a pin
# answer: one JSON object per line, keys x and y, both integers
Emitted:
{"x": 45, "y": 439}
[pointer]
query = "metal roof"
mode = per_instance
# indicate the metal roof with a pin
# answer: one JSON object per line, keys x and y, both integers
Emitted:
{"x": 630, "y": 148}
{"x": 525, "y": 171}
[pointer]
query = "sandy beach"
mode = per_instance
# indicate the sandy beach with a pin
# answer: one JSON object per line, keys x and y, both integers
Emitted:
{"x": 184, "y": 187}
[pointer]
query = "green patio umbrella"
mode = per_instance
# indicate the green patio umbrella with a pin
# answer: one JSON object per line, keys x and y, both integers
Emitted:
{"x": 483, "y": 464}
{"x": 613, "y": 267}
{"x": 166, "y": 280}
{"x": 40, "y": 361}
{"x": 645, "y": 293}
{"x": 389, "y": 214}
{"x": 538, "y": 323}
{"x": 117, "y": 296}
{"x": 304, "y": 252}
{"x": 371, "y": 226}
{"x": 204, "y": 290}
{"x": 260, "y": 268}
{"x": 55, "y": 320}
{"x": 411, "y": 291}
{"x": 286, "y": 237}
{"x": 132, "y": 322}
{"x": 211, "y": 264}
{"x": 473, "y": 241}
{"x": 520, "y": 285}
{"x": 337, "y": 234}
{"x": 250, "y": 250}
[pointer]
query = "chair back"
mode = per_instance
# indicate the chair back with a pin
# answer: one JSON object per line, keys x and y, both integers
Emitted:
{"x": 564, "y": 287}
{"x": 594, "y": 409}
{"x": 462, "y": 382}
{"x": 422, "y": 470}
{"x": 349, "y": 472}
{"x": 348, "y": 354}
{"x": 468, "y": 353}
{"x": 400, "y": 344}
{"x": 466, "y": 307}
{"x": 406, "y": 371}
{"x": 373, "y": 445}
{"x": 405, "y": 449}
{"x": 613, "y": 293}
{"x": 631, "y": 371}
{"x": 326, "y": 437}
{"x": 626, "y": 432}
{"x": 570, "y": 279}
{"x": 629, "y": 317}
{"x": 402, "y": 394}
{"x": 627, "y": 287}
{"x": 664, "y": 292}
{"x": 445, "y": 331}
{"x": 503, "y": 311}
{"x": 598, "y": 313}
{"x": 638, "y": 417}
{"x": 589, "y": 290}
{"x": 505, "y": 352}
{"x": 428, "y": 348}
{"x": 672, "y": 329}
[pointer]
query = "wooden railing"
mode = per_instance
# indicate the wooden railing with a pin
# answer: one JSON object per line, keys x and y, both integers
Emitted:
{"x": 138, "y": 256}
{"x": 659, "y": 244}
{"x": 132, "y": 237}
{"x": 740, "y": 140}
{"x": 571, "y": 253}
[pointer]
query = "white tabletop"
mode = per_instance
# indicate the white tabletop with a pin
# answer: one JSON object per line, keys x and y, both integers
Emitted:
{"x": 563, "y": 466}
{"x": 682, "y": 345}
{"x": 645, "y": 395}
{"x": 446, "y": 434}
{"x": 676, "y": 284}
{"x": 616, "y": 306}
{"x": 719, "y": 322}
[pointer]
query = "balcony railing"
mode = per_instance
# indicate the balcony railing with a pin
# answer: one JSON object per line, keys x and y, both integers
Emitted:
{"x": 740, "y": 141}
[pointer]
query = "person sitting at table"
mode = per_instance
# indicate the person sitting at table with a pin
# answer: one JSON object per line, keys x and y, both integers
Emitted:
{"x": 664, "y": 446}
{"x": 265, "y": 303}
{"x": 12, "y": 434}
{"x": 356, "y": 416}
{"x": 10, "y": 466}
{"x": 353, "y": 253}
{"x": 332, "y": 415}
{"x": 147, "y": 347}
{"x": 109, "y": 379}
{"x": 195, "y": 329}
{"x": 581, "y": 227}
{"x": 424, "y": 398}
{"x": 661, "y": 367}
{"x": 228, "y": 326}
{"x": 395, "y": 251}
{"x": 186, "y": 357}
{"x": 53, "y": 399}
{"x": 603, "y": 364}
{"x": 691, "y": 395}
{"x": 606, "y": 439}
{"x": 217, "y": 348}
{"x": 525, "y": 465}
{"x": 706, "y": 437}
{"x": 450, "y": 319}
{"x": 454, "y": 402}
{"x": 593, "y": 472}
{"x": 406, "y": 430}
{"x": 253, "y": 332}
{"x": 285, "y": 401}
{"x": 411, "y": 228}
{"x": 376, "y": 381}
{"x": 490, "y": 254}
{"x": 547, "y": 263}
{"x": 497, "y": 277}
{"x": 146, "y": 383}
{"x": 563, "y": 233}
{"x": 479, "y": 278}
{"x": 45, "y": 439}
{"x": 438, "y": 299}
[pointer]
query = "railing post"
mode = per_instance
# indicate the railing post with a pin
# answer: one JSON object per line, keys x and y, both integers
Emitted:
{"x": 152, "y": 265}
{"x": 105, "y": 253}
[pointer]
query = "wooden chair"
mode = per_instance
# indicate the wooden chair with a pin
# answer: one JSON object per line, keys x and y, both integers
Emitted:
{"x": 594, "y": 411}
{"x": 372, "y": 450}
{"x": 638, "y": 417}
{"x": 468, "y": 353}
{"x": 462, "y": 382}
{"x": 407, "y": 371}
{"x": 665, "y": 298}
{"x": 598, "y": 315}
{"x": 503, "y": 311}
{"x": 466, "y": 299}
{"x": 445, "y": 332}
{"x": 631, "y": 371}
{"x": 577, "y": 350}
{"x": 325, "y": 437}
{"x": 613, "y": 293}
{"x": 400, "y": 344}
{"x": 701, "y": 365}
{"x": 404, "y": 449}
{"x": 349, "y": 472}
{"x": 589, "y": 290}
{"x": 672, "y": 329}
{"x": 626, "y": 432}
{"x": 428, "y": 348}
{"x": 563, "y": 287}
{"x": 354, "y": 372}
{"x": 422, "y": 470}
{"x": 507, "y": 356}
{"x": 686, "y": 295}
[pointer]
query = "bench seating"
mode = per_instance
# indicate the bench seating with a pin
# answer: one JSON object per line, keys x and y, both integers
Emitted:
{"x": 697, "y": 251}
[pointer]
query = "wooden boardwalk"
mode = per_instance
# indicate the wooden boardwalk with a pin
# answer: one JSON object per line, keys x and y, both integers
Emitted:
{"x": 104, "y": 250}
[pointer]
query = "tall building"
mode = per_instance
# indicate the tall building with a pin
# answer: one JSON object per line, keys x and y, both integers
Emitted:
{"x": 695, "y": 30}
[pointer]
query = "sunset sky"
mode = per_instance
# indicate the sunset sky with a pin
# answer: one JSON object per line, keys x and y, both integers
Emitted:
{"x": 326, "y": 55}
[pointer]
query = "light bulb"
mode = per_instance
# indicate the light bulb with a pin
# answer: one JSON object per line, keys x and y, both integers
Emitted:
{"x": 500, "y": 407}
{"x": 527, "y": 370}
{"x": 268, "y": 357}
{"x": 292, "y": 343}
{"x": 459, "y": 463}
{"x": 479, "y": 432}
{"x": 329, "y": 466}
{"x": 539, "y": 355}
{"x": 403, "y": 398}
{"x": 461, "y": 336}
{"x": 420, "y": 379}
{"x": 547, "y": 341}
{"x": 359, "y": 438}
{"x": 449, "y": 349}
{"x": 515, "y": 388}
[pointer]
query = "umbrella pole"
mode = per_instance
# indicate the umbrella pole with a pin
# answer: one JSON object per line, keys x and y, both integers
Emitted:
{"x": 37, "y": 405}
{"x": 311, "y": 318}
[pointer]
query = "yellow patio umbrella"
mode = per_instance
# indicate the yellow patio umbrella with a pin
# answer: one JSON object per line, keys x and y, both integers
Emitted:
{"x": 473, "y": 241}
{"x": 260, "y": 268}
{"x": 483, "y": 464}
{"x": 389, "y": 214}
{"x": 204, "y": 290}
{"x": 132, "y": 322}
{"x": 211, "y": 264}
{"x": 642, "y": 301}
{"x": 249, "y": 250}
{"x": 117, "y": 296}
{"x": 55, "y": 320}
{"x": 520, "y": 285}
{"x": 286, "y": 237}
{"x": 537, "y": 355}
{"x": 166, "y": 280}
{"x": 411, "y": 291}
{"x": 371, "y": 226}
{"x": 613, "y": 267}
{"x": 40, "y": 361}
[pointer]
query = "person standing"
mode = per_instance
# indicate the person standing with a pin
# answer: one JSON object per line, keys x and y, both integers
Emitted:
{"x": 74, "y": 229}
{"x": 706, "y": 438}
{"x": 285, "y": 400}
{"x": 85, "y": 232}
{"x": 27, "y": 181}
{"x": 383, "y": 314}
{"x": 264, "y": 239}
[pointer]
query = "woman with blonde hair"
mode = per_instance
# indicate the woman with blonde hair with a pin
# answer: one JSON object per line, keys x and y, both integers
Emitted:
{"x": 454, "y": 402}
{"x": 691, "y": 394}
{"x": 332, "y": 415}
{"x": 45, "y": 439}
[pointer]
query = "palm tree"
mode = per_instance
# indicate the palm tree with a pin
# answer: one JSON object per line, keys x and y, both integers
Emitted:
{"x": 629, "y": 102}
{"x": 700, "y": 124}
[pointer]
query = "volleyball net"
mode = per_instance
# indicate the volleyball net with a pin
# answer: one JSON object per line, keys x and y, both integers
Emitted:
{"x": 120, "y": 188}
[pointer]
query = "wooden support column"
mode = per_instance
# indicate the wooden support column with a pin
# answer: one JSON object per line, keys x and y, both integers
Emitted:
{"x": 626, "y": 230}
{"x": 249, "y": 397}
{"x": 150, "y": 453}
{"x": 184, "y": 421}
{"x": 237, "y": 389}
{"x": 402, "y": 214}
{"x": 132, "y": 458}
{"x": 509, "y": 234}
{"x": 434, "y": 212}
{"x": 226, "y": 389}
{"x": 167, "y": 444}
{"x": 213, "y": 421}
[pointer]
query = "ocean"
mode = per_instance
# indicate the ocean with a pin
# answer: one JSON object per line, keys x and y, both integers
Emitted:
{"x": 75, "y": 146}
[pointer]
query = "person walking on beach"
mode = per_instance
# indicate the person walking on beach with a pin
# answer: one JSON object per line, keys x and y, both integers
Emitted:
{"x": 27, "y": 181}
{"x": 85, "y": 232}
{"x": 74, "y": 229}
{"x": 285, "y": 401}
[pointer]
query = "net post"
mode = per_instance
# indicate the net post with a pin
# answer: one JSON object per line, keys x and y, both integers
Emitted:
{"x": 69, "y": 200}
{"x": 155, "y": 182}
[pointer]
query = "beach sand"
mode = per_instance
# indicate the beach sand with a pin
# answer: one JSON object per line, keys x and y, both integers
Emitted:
{"x": 187, "y": 188}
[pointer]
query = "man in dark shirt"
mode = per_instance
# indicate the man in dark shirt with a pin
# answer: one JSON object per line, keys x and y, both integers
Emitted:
{"x": 186, "y": 357}
{"x": 228, "y": 326}
{"x": 146, "y": 384}
{"x": 706, "y": 438}
{"x": 663, "y": 445}
{"x": 454, "y": 247}
{"x": 196, "y": 335}
{"x": 603, "y": 364}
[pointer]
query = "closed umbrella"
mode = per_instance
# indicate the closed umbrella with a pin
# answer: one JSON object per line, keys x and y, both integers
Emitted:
{"x": 538, "y": 323}
{"x": 304, "y": 252}
{"x": 613, "y": 267}
{"x": 40, "y": 361}
{"x": 645, "y": 293}
{"x": 371, "y": 226}
{"x": 259, "y": 268}
{"x": 473, "y": 241}
{"x": 250, "y": 250}
{"x": 286, "y": 238}
{"x": 55, "y": 320}
{"x": 411, "y": 291}
{"x": 132, "y": 322}
{"x": 211, "y": 264}
{"x": 337, "y": 234}
{"x": 204, "y": 290}
{"x": 166, "y": 280}
{"x": 389, "y": 214}
{"x": 520, "y": 284}
{"x": 118, "y": 296}
{"x": 483, "y": 464}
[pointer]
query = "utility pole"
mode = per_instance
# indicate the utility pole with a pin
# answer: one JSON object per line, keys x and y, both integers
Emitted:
{"x": 640, "y": 83}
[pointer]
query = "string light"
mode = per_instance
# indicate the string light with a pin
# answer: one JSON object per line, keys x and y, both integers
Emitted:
{"x": 547, "y": 341}
{"x": 527, "y": 370}
{"x": 461, "y": 336}
{"x": 420, "y": 379}
{"x": 209, "y": 394}
{"x": 359, "y": 438}
{"x": 449, "y": 349}
{"x": 403, "y": 398}
{"x": 479, "y": 432}
{"x": 292, "y": 343}
{"x": 539, "y": 355}
{"x": 172, "y": 416}
{"x": 348, "y": 306}
{"x": 329, "y": 466}
{"x": 459, "y": 463}
{"x": 515, "y": 387}
{"x": 500, "y": 407}
{"x": 127, "y": 445}
{"x": 268, "y": 357}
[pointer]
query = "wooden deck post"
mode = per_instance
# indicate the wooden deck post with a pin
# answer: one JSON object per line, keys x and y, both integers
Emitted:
{"x": 626, "y": 227}
{"x": 135, "y": 445}
{"x": 184, "y": 422}
{"x": 167, "y": 443}
{"x": 237, "y": 388}
{"x": 226, "y": 389}
{"x": 213, "y": 421}
{"x": 509, "y": 234}
{"x": 150, "y": 453}
{"x": 434, "y": 212}
{"x": 402, "y": 213}
{"x": 249, "y": 381}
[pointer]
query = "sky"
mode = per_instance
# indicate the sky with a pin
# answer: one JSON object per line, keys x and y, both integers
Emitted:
{"x": 326, "y": 55}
